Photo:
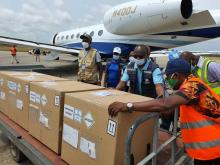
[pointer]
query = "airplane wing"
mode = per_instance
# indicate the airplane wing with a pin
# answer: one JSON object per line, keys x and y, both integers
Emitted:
{"x": 25, "y": 45}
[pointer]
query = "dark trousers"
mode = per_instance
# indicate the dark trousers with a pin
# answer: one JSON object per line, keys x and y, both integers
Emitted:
{"x": 207, "y": 162}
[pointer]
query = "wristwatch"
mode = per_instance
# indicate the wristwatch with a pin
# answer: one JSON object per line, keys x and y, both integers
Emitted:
{"x": 130, "y": 107}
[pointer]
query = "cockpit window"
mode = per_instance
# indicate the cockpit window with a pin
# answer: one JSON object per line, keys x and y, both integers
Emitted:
{"x": 100, "y": 32}
{"x": 78, "y": 35}
{"x": 92, "y": 33}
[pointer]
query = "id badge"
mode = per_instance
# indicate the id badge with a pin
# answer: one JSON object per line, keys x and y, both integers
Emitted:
{"x": 83, "y": 66}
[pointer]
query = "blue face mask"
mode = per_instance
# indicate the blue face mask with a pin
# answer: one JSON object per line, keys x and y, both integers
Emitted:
{"x": 131, "y": 59}
{"x": 140, "y": 62}
{"x": 116, "y": 57}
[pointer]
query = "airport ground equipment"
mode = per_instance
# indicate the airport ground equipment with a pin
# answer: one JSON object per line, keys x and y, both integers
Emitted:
{"x": 177, "y": 156}
{"x": 24, "y": 144}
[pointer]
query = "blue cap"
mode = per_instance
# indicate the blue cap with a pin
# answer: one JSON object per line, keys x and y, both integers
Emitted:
{"x": 178, "y": 66}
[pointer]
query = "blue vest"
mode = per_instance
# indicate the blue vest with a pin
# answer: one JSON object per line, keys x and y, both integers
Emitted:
{"x": 113, "y": 73}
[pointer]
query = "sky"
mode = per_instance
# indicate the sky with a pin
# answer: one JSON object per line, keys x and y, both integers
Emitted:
{"x": 39, "y": 20}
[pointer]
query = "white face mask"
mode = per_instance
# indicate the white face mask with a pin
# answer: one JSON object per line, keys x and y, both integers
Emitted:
{"x": 131, "y": 59}
{"x": 85, "y": 45}
{"x": 140, "y": 62}
{"x": 115, "y": 57}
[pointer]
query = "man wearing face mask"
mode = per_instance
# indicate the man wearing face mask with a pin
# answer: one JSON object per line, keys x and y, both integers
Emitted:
{"x": 145, "y": 76}
{"x": 199, "y": 112}
{"x": 113, "y": 70}
{"x": 90, "y": 67}
{"x": 204, "y": 68}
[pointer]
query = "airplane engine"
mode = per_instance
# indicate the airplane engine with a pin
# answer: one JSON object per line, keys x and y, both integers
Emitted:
{"x": 147, "y": 16}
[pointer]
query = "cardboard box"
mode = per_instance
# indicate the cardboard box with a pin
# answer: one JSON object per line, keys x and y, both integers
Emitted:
{"x": 18, "y": 95}
{"x": 93, "y": 137}
{"x": 46, "y": 110}
{"x": 4, "y": 75}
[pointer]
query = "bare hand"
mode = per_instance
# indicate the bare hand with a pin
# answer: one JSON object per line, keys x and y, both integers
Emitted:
{"x": 116, "y": 107}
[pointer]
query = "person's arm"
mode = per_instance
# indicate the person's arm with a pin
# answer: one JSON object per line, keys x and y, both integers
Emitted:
{"x": 159, "y": 89}
{"x": 158, "y": 81}
{"x": 125, "y": 77}
{"x": 121, "y": 85}
{"x": 159, "y": 105}
{"x": 99, "y": 65}
{"x": 100, "y": 69}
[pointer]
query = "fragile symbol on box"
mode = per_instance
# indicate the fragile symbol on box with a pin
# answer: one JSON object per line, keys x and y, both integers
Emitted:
{"x": 111, "y": 128}
{"x": 88, "y": 119}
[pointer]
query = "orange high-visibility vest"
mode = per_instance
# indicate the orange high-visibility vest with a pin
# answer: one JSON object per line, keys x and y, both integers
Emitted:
{"x": 13, "y": 51}
{"x": 200, "y": 133}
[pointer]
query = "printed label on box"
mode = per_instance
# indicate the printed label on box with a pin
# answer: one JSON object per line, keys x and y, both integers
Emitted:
{"x": 32, "y": 77}
{"x": 111, "y": 128}
{"x": 19, "y": 88}
{"x": 88, "y": 147}
{"x": 19, "y": 104}
{"x": 70, "y": 135}
{"x": 26, "y": 89}
{"x": 88, "y": 119}
{"x": 57, "y": 100}
{"x": 1, "y": 81}
{"x": 44, "y": 120}
{"x": 2, "y": 95}
{"x": 32, "y": 96}
{"x": 43, "y": 100}
{"x": 77, "y": 115}
{"x": 12, "y": 85}
{"x": 68, "y": 111}
{"x": 37, "y": 98}
{"x": 103, "y": 93}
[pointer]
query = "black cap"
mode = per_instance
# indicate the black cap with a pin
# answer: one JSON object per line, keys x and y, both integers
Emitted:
{"x": 86, "y": 36}
{"x": 178, "y": 66}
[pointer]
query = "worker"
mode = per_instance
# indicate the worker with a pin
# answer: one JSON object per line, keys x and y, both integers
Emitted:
{"x": 145, "y": 76}
{"x": 13, "y": 51}
{"x": 173, "y": 54}
{"x": 199, "y": 112}
{"x": 113, "y": 70}
{"x": 90, "y": 66}
{"x": 37, "y": 54}
{"x": 204, "y": 68}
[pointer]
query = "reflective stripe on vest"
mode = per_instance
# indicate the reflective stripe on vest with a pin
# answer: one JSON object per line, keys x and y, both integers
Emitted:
{"x": 200, "y": 133}
{"x": 198, "y": 124}
{"x": 203, "y": 74}
{"x": 200, "y": 145}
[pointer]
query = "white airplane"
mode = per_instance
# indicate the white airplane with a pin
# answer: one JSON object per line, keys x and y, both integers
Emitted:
{"x": 161, "y": 24}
